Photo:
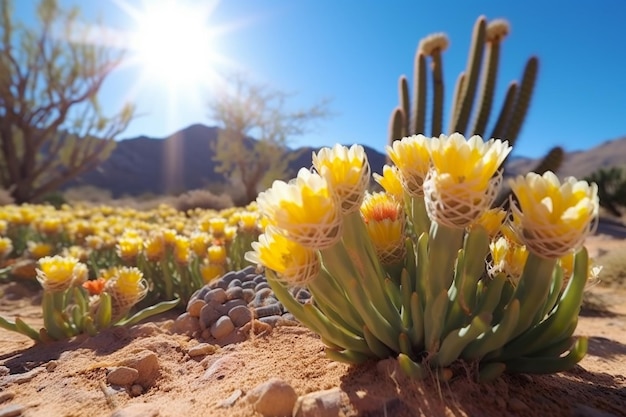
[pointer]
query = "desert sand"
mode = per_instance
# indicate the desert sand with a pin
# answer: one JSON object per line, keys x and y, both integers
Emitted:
{"x": 182, "y": 377}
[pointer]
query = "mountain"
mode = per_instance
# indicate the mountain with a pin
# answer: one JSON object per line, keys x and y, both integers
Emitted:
{"x": 184, "y": 161}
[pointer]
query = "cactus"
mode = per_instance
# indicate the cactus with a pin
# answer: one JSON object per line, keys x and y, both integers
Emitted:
{"x": 480, "y": 75}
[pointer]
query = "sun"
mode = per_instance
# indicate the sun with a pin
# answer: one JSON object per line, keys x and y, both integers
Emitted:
{"x": 173, "y": 43}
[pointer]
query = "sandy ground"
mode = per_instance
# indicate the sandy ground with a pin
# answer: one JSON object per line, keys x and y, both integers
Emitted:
{"x": 70, "y": 378}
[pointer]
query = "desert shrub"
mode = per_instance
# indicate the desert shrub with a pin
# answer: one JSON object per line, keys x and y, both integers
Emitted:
{"x": 203, "y": 199}
{"x": 87, "y": 194}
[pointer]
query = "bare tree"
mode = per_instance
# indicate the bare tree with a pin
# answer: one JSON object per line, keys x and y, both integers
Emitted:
{"x": 51, "y": 125}
{"x": 248, "y": 110}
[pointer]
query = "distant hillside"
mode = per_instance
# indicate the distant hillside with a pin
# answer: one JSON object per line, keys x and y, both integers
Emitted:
{"x": 184, "y": 161}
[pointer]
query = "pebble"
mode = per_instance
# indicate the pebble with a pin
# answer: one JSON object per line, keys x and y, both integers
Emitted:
{"x": 325, "y": 403}
{"x": 146, "y": 363}
{"x": 21, "y": 378}
{"x": 202, "y": 349}
{"x": 240, "y": 315}
{"x": 51, "y": 366}
{"x": 122, "y": 376}
{"x": 273, "y": 398}
{"x": 231, "y": 302}
{"x": 136, "y": 390}
{"x": 12, "y": 410}
{"x": 222, "y": 327}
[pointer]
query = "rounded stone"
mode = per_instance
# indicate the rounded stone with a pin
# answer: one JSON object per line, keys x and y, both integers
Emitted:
{"x": 249, "y": 277}
{"x": 273, "y": 398}
{"x": 234, "y": 283}
{"x": 259, "y": 279}
{"x": 268, "y": 310}
{"x": 202, "y": 349}
{"x": 303, "y": 295}
{"x": 260, "y": 296}
{"x": 186, "y": 324}
{"x": 240, "y": 315}
{"x": 216, "y": 295}
{"x": 147, "y": 363}
{"x": 222, "y": 327}
{"x": 261, "y": 286}
{"x": 248, "y": 285}
{"x": 122, "y": 376}
{"x": 271, "y": 320}
{"x": 234, "y": 293}
{"x": 136, "y": 390}
{"x": 195, "y": 306}
{"x": 248, "y": 295}
{"x": 233, "y": 303}
{"x": 250, "y": 269}
{"x": 209, "y": 315}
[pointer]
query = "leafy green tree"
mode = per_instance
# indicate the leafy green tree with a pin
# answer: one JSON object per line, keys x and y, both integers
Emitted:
{"x": 611, "y": 188}
{"x": 52, "y": 128}
{"x": 248, "y": 109}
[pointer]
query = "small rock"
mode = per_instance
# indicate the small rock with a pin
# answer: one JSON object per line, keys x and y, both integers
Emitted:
{"x": 290, "y": 318}
{"x": 51, "y": 366}
{"x": 187, "y": 324}
{"x": 240, "y": 315}
{"x": 232, "y": 398}
{"x": 21, "y": 378}
{"x": 137, "y": 410}
{"x": 122, "y": 376}
{"x": 273, "y": 398}
{"x": 268, "y": 310}
{"x": 233, "y": 303}
{"x": 202, "y": 349}
{"x": 195, "y": 306}
{"x": 4, "y": 370}
{"x": 234, "y": 293}
{"x": 216, "y": 296}
{"x": 147, "y": 363}
{"x": 136, "y": 390}
{"x": 248, "y": 294}
{"x": 262, "y": 286}
{"x": 12, "y": 410}
{"x": 234, "y": 283}
{"x": 209, "y": 315}
{"x": 272, "y": 320}
{"x": 259, "y": 279}
{"x": 222, "y": 327}
{"x": 260, "y": 296}
{"x": 6, "y": 396}
{"x": 319, "y": 404}
{"x": 516, "y": 405}
{"x": 248, "y": 285}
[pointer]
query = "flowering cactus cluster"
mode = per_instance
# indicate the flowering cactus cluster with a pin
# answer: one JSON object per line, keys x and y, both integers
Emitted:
{"x": 426, "y": 271}
{"x": 70, "y": 307}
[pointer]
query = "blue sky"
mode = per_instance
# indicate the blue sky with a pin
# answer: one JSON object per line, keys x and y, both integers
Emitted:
{"x": 353, "y": 51}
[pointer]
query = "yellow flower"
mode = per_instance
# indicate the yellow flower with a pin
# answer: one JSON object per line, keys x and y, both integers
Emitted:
{"x": 305, "y": 209}
{"x": 58, "y": 273}
{"x": 384, "y": 221}
{"x": 199, "y": 241}
{"x": 210, "y": 272}
{"x": 347, "y": 172}
{"x": 154, "y": 247}
{"x": 94, "y": 242}
{"x": 6, "y": 247}
{"x": 412, "y": 157}
{"x": 78, "y": 252}
{"x": 38, "y": 250}
{"x": 290, "y": 260}
{"x": 182, "y": 251}
{"x": 567, "y": 263}
{"x": 435, "y": 42}
{"x": 3, "y": 227}
{"x": 462, "y": 183}
{"x": 49, "y": 225}
{"x": 229, "y": 234}
{"x": 128, "y": 247}
{"x": 492, "y": 220}
{"x": 553, "y": 218}
{"x": 248, "y": 221}
{"x": 217, "y": 226}
{"x": 507, "y": 257}
{"x": 126, "y": 288}
{"x": 217, "y": 255}
{"x": 391, "y": 181}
